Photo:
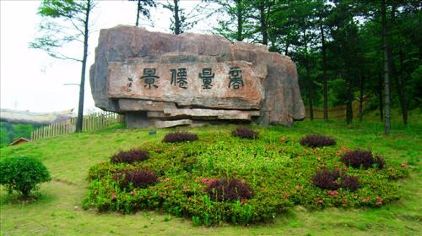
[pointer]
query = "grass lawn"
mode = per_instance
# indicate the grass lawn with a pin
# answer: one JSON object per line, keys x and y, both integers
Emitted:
{"x": 58, "y": 211}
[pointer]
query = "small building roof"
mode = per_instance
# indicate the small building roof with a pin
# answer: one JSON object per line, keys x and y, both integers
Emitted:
{"x": 19, "y": 141}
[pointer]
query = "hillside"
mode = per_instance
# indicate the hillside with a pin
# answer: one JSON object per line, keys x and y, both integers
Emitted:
{"x": 58, "y": 211}
{"x": 34, "y": 117}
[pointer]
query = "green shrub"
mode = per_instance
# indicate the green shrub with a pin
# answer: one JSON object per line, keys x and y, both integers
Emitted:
{"x": 22, "y": 174}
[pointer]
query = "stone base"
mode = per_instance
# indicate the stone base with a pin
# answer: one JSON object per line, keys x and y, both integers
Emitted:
{"x": 137, "y": 120}
{"x": 171, "y": 123}
{"x": 143, "y": 120}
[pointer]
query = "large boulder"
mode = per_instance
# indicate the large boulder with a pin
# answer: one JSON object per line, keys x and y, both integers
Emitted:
{"x": 153, "y": 77}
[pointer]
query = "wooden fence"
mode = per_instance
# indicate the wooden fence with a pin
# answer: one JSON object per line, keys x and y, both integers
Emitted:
{"x": 92, "y": 122}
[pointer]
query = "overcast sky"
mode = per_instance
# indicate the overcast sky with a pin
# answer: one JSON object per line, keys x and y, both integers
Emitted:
{"x": 31, "y": 80}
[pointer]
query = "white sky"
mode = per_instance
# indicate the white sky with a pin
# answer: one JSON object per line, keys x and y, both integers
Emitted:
{"x": 31, "y": 80}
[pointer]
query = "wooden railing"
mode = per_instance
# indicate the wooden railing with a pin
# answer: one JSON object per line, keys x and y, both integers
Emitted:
{"x": 92, "y": 122}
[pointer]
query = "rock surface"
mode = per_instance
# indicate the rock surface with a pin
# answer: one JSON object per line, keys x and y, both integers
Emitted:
{"x": 153, "y": 77}
{"x": 171, "y": 123}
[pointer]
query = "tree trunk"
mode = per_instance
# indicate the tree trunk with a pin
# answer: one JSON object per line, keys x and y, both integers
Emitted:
{"x": 308, "y": 78}
{"x": 401, "y": 87}
{"x": 380, "y": 104}
{"x": 263, "y": 22}
{"x": 239, "y": 15}
{"x": 387, "y": 121}
{"x": 349, "y": 105}
{"x": 310, "y": 93}
{"x": 79, "y": 121}
{"x": 137, "y": 13}
{"x": 398, "y": 79}
{"x": 324, "y": 73}
{"x": 398, "y": 75}
{"x": 361, "y": 88}
{"x": 176, "y": 18}
{"x": 286, "y": 49}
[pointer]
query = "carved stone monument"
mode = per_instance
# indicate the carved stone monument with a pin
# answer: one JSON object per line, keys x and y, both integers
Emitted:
{"x": 163, "y": 80}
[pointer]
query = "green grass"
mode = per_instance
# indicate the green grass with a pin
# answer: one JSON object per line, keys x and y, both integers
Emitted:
{"x": 58, "y": 210}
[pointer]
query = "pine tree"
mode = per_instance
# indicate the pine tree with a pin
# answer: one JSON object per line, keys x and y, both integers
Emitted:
{"x": 77, "y": 14}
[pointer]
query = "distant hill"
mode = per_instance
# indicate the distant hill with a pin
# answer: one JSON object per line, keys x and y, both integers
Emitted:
{"x": 15, "y": 124}
{"x": 33, "y": 117}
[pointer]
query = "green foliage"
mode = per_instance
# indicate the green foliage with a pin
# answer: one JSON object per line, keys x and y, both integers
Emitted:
{"x": 10, "y": 131}
{"x": 246, "y": 133}
{"x": 415, "y": 87}
{"x": 22, "y": 174}
{"x": 64, "y": 23}
{"x": 279, "y": 175}
{"x": 338, "y": 43}
{"x": 240, "y": 24}
{"x": 6, "y": 133}
{"x": 60, "y": 8}
{"x": 60, "y": 213}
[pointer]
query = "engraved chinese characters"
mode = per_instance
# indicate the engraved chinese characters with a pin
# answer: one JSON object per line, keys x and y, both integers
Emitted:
{"x": 149, "y": 77}
{"x": 235, "y": 76}
{"x": 206, "y": 77}
{"x": 179, "y": 78}
{"x": 265, "y": 89}
{"x": 129, "y": 84}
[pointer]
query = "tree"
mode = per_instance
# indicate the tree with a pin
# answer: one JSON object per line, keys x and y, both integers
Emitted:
{"x": 346, "y": 48}
{"x": 306, "y": 21}
{"x": 263, "y": 8}
{"x": 75, "y": 14}
{"x": 181, "y": 21}
{"x": 142, "y": 8}
{"x": 323, "y": 10}
{"x": 404, "y": 49}
{"x": 178, "y": 21}
{"x": 238, "y": 27}
{"x": 385, "y": 46}
{"x": 353, "y": 47}
{"x": 402, "y": 19}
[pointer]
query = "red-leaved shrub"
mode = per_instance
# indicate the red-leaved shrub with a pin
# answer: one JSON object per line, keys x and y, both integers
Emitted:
{"x": 179, "y": 137}
{"x": 130, "y": 156}
{"x": 228, "y": 190}
{"x": 362, "y": 158}
{"x": 327, "y": 179}
{"x": 333, "y": 180}
{"x": 138, "y": 178}
{"x": 350, "y": 182}
{"x": 315, "y": 140}
{"x": 243, "y": 132}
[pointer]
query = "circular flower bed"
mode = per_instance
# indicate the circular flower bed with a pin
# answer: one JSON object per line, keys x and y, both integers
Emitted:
{"x": 222, "y": 179}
